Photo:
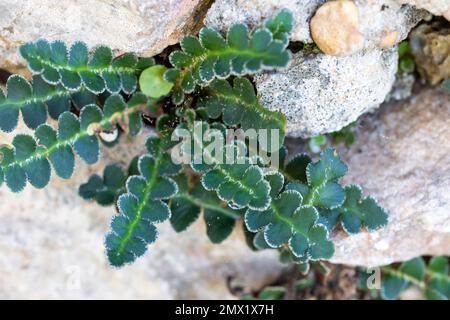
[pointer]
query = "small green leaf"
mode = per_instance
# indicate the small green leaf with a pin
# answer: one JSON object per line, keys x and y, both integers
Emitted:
{"x": 152, "y": 82}
{"x": 24, "y": 146}
{"x": 329, "y": 168}
{"x": 238, "y": 37}
{"x": 357, "y": 212}
{"x": 78, "y": 55}
{"x": 211, "y": 39}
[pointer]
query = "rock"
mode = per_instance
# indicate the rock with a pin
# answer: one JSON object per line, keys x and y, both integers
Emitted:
{"x": 322, "y": 93}
{"x": 430, "y": 45}
{"x": 335, "y": 28}
{"x": 52, "y": 248}
{"x": 401, "y": 156}
{"x": 402, "y": 87}
{"x": 446, "y": 14}
{"x": 382, "y": 23}
{"x": 389, "y": 39}
{"x": 385, "y": 23}
{"x": 224, "y": 13}
{"x": 436, "y": 7}
{"x": 142, "y": 26}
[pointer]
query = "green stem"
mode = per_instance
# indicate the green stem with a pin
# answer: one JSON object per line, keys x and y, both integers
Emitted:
{"x": 199, "y": 203}
{"x": 46, "y": 152}
{"x": 17, "y": 104}
{"x": 110, "y": 68}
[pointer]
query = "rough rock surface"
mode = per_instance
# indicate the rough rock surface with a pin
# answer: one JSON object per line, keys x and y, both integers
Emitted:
{"x": 142, "y": 26}
{"x": 436, "y": 7}
{"x": 322, "y": 93}
{"x": 51, "y": 244}
{"x": 402, "y": 88}
{"x": 224, "y": 13}
{"x": 380, "y": 21}
{"x": 402, "y": 157}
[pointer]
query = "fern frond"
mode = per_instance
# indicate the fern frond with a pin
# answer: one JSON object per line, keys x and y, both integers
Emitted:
{"x": 239, "y": 105}
{"x": 356, "y": 213}
{"x": 34, "y": 100}
{"x": 142, "y": 206}
{"x": 74, "y": 67}
{"x": 107, "y": 189}
{"x": 319, "y": 185}
{"x": 289, "y": 222}
{"x": 28, "y": 158}
{"x": 211, "y": 56}
{"x": 433, "y": 280}
{"x": 229, "y": 173}
{"x": 187, "y": 205}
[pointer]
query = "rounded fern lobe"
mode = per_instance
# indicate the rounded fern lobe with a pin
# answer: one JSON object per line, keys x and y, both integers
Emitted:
{"x": 89, "y": 189}
{"x": 16, "y": 178}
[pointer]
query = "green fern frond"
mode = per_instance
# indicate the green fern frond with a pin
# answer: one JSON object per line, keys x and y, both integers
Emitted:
{"x": 28, "y": 158}
{"x": 289, "y": 222}
{"x": 74, "y": 67}
{"x": 243, "y": 52}
{"x": 34, "y": 100}
{"x": 232, "y": 175}
{"x": 107, "y": 189}
{"x": 239, "y": 105}
{"x": 142, "y": 206}
{"x": 433, "y": 280}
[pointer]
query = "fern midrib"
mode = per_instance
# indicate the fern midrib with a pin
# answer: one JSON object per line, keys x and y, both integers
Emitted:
{"x": 45, "y": 152}
{"x": 265, "y": 114}
{"x": 196, "y": 60}
{"x": 404, "y": 276}
{"x": 146, "y": 196}
{"x": 288, "y": 221}
{"x": 199, "y": 203}
{"x": 110, "y": 68}
{"x": 17, "y": 104}
{"x": 407, "y": 277}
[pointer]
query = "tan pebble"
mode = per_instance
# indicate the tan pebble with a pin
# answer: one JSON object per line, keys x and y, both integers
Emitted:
{"x": 334, "y": 28}
{"x": 389, "y": 39}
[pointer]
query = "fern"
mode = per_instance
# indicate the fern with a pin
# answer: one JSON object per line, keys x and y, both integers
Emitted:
{"x": 239, "y": 105}
{"x": 107, "y": 189}
{"x": 211, "y": 56}
{"x": 292, "y": 208}
{"x": 239, "y": 184}
{"x": 34, "y": 100}
{"x": 29, "y": 158}
{"x": 432, "y": 279}
{"x": 74, "y": 69}
{"x": 289, "y": 209}
{"x": 142, "y": 206}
